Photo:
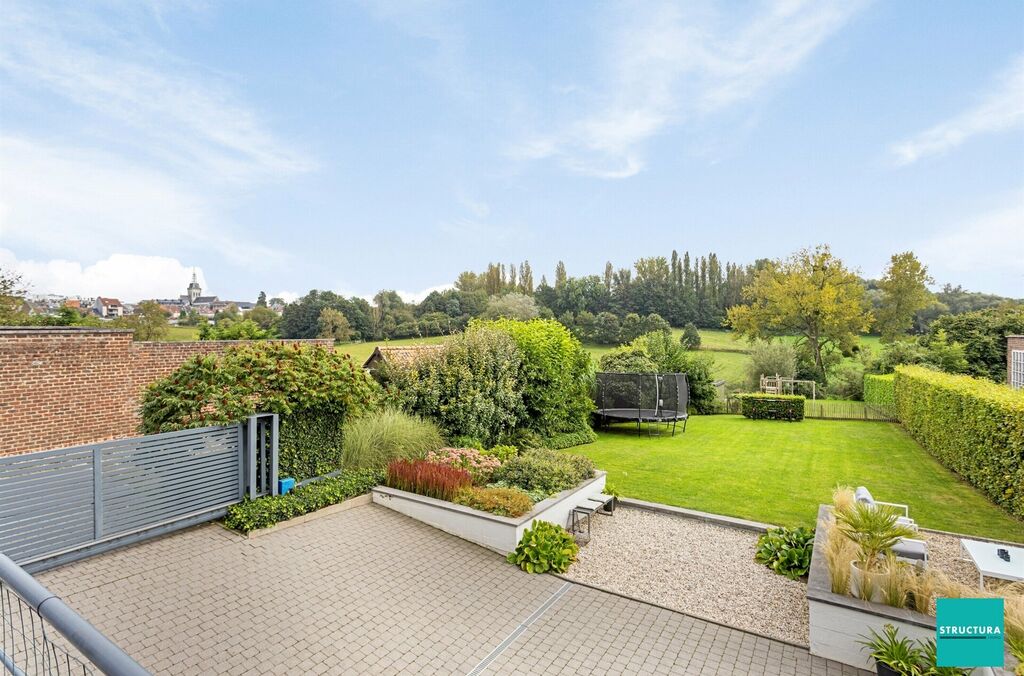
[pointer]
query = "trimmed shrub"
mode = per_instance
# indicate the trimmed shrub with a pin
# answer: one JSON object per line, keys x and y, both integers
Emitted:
{"x": 556, "y": 374}
{"x": 758, "y": 406}
{"x": 545, "y": 470}
{"x": 312, "y": 388}
{"x": 545, "y": 547}
{"x": 250, "y": 515}
{"x": 690, "y": 338}
{"x": 880, "y": 391}
{"x": 427, "y": 478}
{"x": 373, "y": 441}
{"x": 472, "y": 388}
{"x": 479, "y": 465}
{"x": 972, "y": 426}
{"x": 511, "y": 502}
{"x": 570, "y": 439}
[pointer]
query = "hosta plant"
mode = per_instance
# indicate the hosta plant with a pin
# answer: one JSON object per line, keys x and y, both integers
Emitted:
{"x": 545, "y": 548}
{"x": 787, "y": 551}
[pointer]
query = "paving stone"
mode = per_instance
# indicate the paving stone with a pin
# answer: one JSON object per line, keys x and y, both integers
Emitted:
{"x": 368, "y": 591}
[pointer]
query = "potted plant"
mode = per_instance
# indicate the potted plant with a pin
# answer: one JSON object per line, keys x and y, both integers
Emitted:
{"x": 875, "y": 530}
{"x": 894, "y": 656}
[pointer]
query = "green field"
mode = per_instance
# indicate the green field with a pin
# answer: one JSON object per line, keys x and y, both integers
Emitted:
{"x": 182, "y": 333}
{"x": 360, "y": 352}
{"x": 780, "y": 472}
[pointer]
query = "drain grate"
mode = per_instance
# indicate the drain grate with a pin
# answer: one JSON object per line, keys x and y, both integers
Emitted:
{"x": 517, "y": 632}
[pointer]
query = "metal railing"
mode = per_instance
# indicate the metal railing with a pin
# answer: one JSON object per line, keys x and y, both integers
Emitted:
{"x": 30, "y": 614}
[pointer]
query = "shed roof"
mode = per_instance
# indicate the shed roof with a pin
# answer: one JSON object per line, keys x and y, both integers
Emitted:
{"x": 404, "y": 355}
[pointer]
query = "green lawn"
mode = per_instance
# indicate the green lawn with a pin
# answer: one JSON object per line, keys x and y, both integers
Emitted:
{"x": 182, "y": 333}
{"x": 780, "y": 472}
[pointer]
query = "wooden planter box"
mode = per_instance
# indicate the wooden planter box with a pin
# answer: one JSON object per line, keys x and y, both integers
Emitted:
{"x": 498, "y": 533}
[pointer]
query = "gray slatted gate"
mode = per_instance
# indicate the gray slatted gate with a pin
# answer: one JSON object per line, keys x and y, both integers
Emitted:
{"x": 60, "y": 505}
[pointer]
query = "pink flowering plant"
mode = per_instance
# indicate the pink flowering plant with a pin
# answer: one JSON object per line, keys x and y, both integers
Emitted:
{"x": 479, "y": 465}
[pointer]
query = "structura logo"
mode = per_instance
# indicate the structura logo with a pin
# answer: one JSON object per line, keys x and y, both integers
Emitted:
{"x": 969, "y": 632}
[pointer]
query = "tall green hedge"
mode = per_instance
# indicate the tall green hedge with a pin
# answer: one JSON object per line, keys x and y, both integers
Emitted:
{"x": 880, "y": 391}
{"x": 974, "y": 427}
{"x": 759, "y": 406}
{"x": 311, "y": 387}
{"x": 556, "y": 374}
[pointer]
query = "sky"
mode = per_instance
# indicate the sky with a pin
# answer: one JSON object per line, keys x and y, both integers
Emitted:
{"x": 355, "y": 146}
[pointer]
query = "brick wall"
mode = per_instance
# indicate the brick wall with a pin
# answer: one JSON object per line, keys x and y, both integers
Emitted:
{"x": 1012, "y": 343}
{"x": 68, "y": 386}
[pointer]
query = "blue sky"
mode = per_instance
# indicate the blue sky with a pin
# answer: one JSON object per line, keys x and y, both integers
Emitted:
{"x": 358, "y": 146}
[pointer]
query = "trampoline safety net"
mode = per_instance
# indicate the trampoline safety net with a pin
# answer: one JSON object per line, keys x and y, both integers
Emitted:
{"x": 642, "y": 397}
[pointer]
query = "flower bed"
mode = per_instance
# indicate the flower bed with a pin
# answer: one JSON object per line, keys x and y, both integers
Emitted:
{"x": 499, "y": 533}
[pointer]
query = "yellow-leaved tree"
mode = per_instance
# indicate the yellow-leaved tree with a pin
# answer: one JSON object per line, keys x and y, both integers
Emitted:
{"x": 811, "y": 295}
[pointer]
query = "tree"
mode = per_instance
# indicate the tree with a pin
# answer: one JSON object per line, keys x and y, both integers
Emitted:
{"x": 511, "y": 306}
{"x": 983, "y": 336}
{"x": 690, "y": 339}
{"x": 334, "y": 325}
{"x": 770, "y": 359}
{"x": 810, "y": 294}
{"x": 264, "y": 317}
{"x": 560, "y": 275}
{"x": 261, "y": 301}
{"x": 904, "y": 292}
{"x": 12, "y": 299}
{"x": 149, "y": 322}
{"x": 229, "y": 329}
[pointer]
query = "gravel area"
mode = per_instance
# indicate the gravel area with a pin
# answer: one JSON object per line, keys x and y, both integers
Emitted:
{"x": 698, "y": 568}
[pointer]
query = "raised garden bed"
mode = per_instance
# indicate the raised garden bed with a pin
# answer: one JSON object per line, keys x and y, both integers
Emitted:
{"x": 838, "y": 622}
{"x": 498, "y": 533}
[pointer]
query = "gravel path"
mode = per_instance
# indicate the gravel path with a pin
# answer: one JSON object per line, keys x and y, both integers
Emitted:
{"x": 695, "y": 567}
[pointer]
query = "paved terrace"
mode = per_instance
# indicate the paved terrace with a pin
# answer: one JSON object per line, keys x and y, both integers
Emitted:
{"x": 368, "y": 591}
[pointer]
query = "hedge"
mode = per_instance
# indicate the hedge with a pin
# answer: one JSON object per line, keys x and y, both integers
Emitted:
{"x": 250, "y": 515}
{"x": 880, "y": 391}
{"x": 758, "y": 406}
{"x": 974, "y": 427}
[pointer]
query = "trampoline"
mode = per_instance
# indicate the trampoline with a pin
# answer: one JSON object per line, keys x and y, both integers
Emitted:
{"x": 642, "y": 397}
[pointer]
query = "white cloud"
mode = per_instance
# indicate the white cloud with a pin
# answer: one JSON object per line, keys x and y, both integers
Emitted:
{"x": 1001, "y": 109}
{"x": 125, "y": 276}
{"x": 77, "y": 203}
{"x": 165, "y": 107}
{"x": 670, "y": 63}
{"x": 286, "y": 296}
{"x": 417, "y": 296}
{"x": 989, "y": 244}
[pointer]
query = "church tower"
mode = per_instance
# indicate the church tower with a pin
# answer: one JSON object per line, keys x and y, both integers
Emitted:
{"x": 194, "y": 290}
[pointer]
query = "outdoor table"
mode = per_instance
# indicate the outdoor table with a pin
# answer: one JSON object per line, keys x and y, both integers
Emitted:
{"x": 984, "y": 557}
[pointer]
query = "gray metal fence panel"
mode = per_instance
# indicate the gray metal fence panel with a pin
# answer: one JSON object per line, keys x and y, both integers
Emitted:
{"x": 54, "y": 504}
{"x": 46, "y": 502}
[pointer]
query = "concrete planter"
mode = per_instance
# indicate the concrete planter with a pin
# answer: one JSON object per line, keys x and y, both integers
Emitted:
{"x": 838, "y": 622}
{"x": 498, "y": 533}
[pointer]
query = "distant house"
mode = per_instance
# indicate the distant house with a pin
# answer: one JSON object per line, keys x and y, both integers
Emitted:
{"x": 1015, "y": 361}
{"x": 405, "y": 355}
{"x": 108, "y": 307}
{"x": 73, "y": 303}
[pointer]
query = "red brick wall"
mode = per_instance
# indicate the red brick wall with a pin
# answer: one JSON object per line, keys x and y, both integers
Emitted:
{"x": 64, "y": 387}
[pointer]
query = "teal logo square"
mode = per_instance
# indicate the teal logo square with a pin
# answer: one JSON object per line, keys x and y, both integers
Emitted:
{"x": 969, "y": 632}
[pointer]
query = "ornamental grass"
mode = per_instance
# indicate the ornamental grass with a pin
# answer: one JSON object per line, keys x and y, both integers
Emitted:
{"x": 427, "y": 478}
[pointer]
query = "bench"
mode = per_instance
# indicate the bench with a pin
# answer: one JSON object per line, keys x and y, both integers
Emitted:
{"x": 603, "y": 503}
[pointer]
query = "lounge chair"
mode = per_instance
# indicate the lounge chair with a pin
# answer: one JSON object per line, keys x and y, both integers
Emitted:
{"x": 863, "y": 495}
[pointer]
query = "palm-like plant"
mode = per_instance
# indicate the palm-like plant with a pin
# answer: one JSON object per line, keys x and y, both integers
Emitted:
{"x": 874, "y": 529}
